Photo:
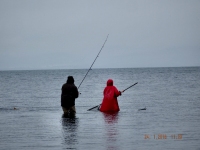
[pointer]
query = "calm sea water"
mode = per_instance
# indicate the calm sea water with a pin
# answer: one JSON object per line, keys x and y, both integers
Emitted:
{"x": 171, "y": 120}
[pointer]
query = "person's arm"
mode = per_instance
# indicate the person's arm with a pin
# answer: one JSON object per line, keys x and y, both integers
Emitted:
{"x": 76, "y": 94}
{"x": 117, "y": 92}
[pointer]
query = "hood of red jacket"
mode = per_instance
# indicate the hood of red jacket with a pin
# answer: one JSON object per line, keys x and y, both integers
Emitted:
{"x": 110, "y": 82}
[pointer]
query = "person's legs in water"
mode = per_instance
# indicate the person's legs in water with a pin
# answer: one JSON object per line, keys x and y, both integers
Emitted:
{"x": 71, "y": 111}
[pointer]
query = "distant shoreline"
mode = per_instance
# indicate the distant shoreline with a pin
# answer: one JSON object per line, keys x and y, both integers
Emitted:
{"x": 100, "y": 68}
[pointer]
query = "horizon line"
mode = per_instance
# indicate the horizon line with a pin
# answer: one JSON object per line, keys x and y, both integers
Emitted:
{"x": 96, "y": 68}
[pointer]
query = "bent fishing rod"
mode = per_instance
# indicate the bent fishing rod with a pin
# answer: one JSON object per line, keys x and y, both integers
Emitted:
{"x": 93, "y": 62}
{"x": 121, "y": 91}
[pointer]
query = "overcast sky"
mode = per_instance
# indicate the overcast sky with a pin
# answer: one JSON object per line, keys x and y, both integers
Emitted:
{"x": 68, "y": 34}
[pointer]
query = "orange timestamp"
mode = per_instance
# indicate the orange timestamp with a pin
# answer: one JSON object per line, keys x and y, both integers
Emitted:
{"x": 163, "y": 136}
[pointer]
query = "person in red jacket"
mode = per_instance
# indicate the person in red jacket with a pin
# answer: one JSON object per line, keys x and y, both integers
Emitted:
{"x": 109, "y": 103}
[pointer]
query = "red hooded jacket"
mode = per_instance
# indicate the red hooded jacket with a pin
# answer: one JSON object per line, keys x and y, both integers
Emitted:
{"x": 109, "y": 102}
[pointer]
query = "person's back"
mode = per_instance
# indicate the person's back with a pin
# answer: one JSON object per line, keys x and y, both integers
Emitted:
{"x": 68, "y": 96}
{"x": 109, "y": 102}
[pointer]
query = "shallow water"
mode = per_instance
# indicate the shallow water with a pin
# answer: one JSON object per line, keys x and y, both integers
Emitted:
{"x": 171, "y": 120}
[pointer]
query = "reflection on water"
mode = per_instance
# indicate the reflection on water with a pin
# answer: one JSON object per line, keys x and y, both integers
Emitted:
{"x": 70, "y": 131}
{"x": 110, "y": 117}
{"x": 111, "y": 122}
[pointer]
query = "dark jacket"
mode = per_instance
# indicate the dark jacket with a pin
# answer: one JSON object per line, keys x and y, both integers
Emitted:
{"x": 69, "y": 94}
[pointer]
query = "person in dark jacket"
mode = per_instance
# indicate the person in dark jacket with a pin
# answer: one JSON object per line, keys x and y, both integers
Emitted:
{"x": 68, "y": 96}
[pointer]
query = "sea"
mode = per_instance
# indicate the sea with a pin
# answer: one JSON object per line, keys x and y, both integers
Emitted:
{"x": 162, "y": 111}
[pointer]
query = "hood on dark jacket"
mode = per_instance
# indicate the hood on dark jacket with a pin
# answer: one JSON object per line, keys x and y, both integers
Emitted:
{"x": 110, "y": 82}
{"x": 70, "y": 80}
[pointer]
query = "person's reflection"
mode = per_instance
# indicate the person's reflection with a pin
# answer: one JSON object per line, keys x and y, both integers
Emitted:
{"x": 70, "y": 131}
{"x": 110, "y": 117}
{"x": 111, "y": 121}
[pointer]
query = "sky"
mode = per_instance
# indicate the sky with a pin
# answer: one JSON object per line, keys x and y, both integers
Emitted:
{"x": 68, "y": 34}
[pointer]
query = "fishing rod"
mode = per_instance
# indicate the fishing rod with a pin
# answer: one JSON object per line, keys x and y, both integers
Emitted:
{"x": 122, "y": 92}
{"x": 129, "y": 87}
{"x": 93, "y": 62}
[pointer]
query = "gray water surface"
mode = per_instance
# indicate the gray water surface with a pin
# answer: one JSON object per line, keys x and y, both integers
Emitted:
{"x": 171, "y": 120}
